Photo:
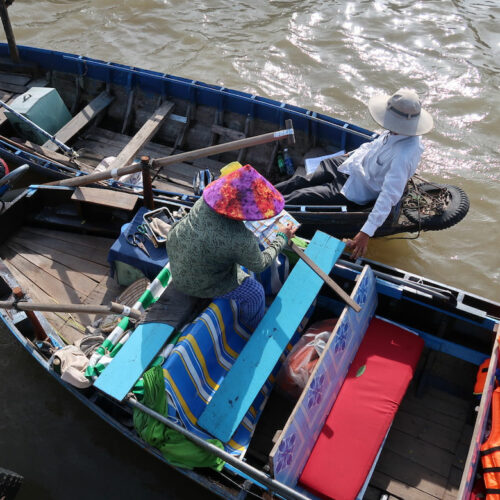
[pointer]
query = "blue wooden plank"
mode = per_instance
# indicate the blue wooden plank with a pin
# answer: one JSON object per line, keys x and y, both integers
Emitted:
{"x": 446, "y": 346}
{"x": 133, "y": 359}
{"x": 234, "y": 397}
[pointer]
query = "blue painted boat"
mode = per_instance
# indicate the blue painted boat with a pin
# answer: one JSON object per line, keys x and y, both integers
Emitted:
{"x": 58, "y": 248}
{"x": 111, "y": 102}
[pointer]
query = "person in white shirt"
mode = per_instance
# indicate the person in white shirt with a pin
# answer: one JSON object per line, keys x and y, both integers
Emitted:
{"x": 377, "y": 170}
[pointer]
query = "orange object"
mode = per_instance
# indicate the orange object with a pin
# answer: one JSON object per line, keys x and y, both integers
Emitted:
{"x": 4, "y": 169}
{"x": 490, "y": 451}
{"x": 37, "y": 326}
{"x": 481, "y": 376}
{"x": 302, "y": 359}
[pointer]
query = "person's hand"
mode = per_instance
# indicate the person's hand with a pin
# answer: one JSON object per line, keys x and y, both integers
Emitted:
{"x": 358, "y": 245}
{"x": 288, "y": 230}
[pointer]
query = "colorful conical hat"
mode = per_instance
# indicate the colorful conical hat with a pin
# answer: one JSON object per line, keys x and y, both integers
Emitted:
{"x": 244, "y": 195}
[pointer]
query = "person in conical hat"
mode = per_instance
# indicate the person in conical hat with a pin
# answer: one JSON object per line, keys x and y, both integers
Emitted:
{"x": 208, "y": 247}
{"x": 377, "y": 171}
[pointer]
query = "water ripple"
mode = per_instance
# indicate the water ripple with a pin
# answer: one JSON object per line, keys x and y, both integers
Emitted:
{"x": 329, "y": 56}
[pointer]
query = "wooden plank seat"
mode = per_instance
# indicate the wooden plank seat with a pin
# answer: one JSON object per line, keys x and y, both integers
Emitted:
{"x": 260, "y": 355}
{"x": 105, "y": 197}
{"x": 79, "y": 121}
{"x": 178, "y": 178}
{"x": 356, "y": 427}
{"x": 143, "y": 135}
{"x": 133, "y": 359}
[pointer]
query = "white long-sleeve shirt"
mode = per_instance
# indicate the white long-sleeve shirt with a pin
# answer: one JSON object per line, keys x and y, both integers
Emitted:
{"x": 380, "y": 170}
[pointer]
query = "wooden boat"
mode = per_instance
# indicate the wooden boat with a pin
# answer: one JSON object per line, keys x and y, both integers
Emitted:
{"x": 117, "y": 109}
{"x": 56, "y": 247}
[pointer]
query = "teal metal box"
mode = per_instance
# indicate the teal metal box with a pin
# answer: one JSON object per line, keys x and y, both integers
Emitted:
{"x": 42, "y": 106}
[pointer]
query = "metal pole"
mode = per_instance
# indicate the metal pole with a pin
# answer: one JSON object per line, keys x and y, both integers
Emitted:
{"x": 14, "y": 53}
{"x": 113, "y": 307}
{"x": 63, "y": 146}
{"x": 254, "y": 473}
{"x": 429, "y": 289}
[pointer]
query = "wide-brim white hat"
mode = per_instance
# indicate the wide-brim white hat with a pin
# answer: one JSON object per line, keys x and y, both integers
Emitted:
{"x": 401, "y": 113}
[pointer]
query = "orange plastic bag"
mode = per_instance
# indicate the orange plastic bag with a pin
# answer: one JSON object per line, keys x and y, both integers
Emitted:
{"x": 299, "y": 364}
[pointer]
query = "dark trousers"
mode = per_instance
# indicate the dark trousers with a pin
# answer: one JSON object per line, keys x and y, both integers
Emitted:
{"x": 321, "y": 188}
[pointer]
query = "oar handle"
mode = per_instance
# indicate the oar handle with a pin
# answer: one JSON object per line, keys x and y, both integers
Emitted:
{"x": 336, "y": 288}
{"x": 112, "y": 308}
{"x": 125, "y": 310}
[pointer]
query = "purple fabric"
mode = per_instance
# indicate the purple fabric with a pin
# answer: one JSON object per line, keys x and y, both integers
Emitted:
{"x": 244, "y": 195}
{"x": 250, "y": 299}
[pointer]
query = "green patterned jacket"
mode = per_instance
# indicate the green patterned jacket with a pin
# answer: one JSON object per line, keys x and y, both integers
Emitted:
{"x": 206, "y": 251}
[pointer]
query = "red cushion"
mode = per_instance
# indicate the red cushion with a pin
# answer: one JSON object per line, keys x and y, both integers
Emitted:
{"x": 365, "y": 407}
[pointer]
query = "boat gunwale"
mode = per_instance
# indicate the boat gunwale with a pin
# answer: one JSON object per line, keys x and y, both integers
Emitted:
{"x": 54, "y": 60}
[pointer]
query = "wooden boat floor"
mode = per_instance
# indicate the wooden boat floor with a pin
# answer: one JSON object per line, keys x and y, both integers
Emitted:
{"x": 425, "y": 452}
{"x": 99, "y": 143}
{"x": 60, "y": 267}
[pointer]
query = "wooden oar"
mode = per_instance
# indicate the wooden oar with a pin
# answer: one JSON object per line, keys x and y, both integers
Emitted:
{"x": 178, "y": 158}
{"x": 14, "y": 53}
{"x": 112, "y": 308}
{"x": 62, "y": 162}
{"x": 336, "y": 288}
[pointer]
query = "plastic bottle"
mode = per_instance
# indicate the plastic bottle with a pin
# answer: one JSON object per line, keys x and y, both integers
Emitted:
{"x": 288, "y": 162}
{"x": 281, "y": 164}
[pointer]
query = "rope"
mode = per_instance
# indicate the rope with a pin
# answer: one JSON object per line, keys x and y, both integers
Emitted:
{"x": 419, "y": 223}
{"x": 239, "y": 486}
{"x": 414, "y": 198}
